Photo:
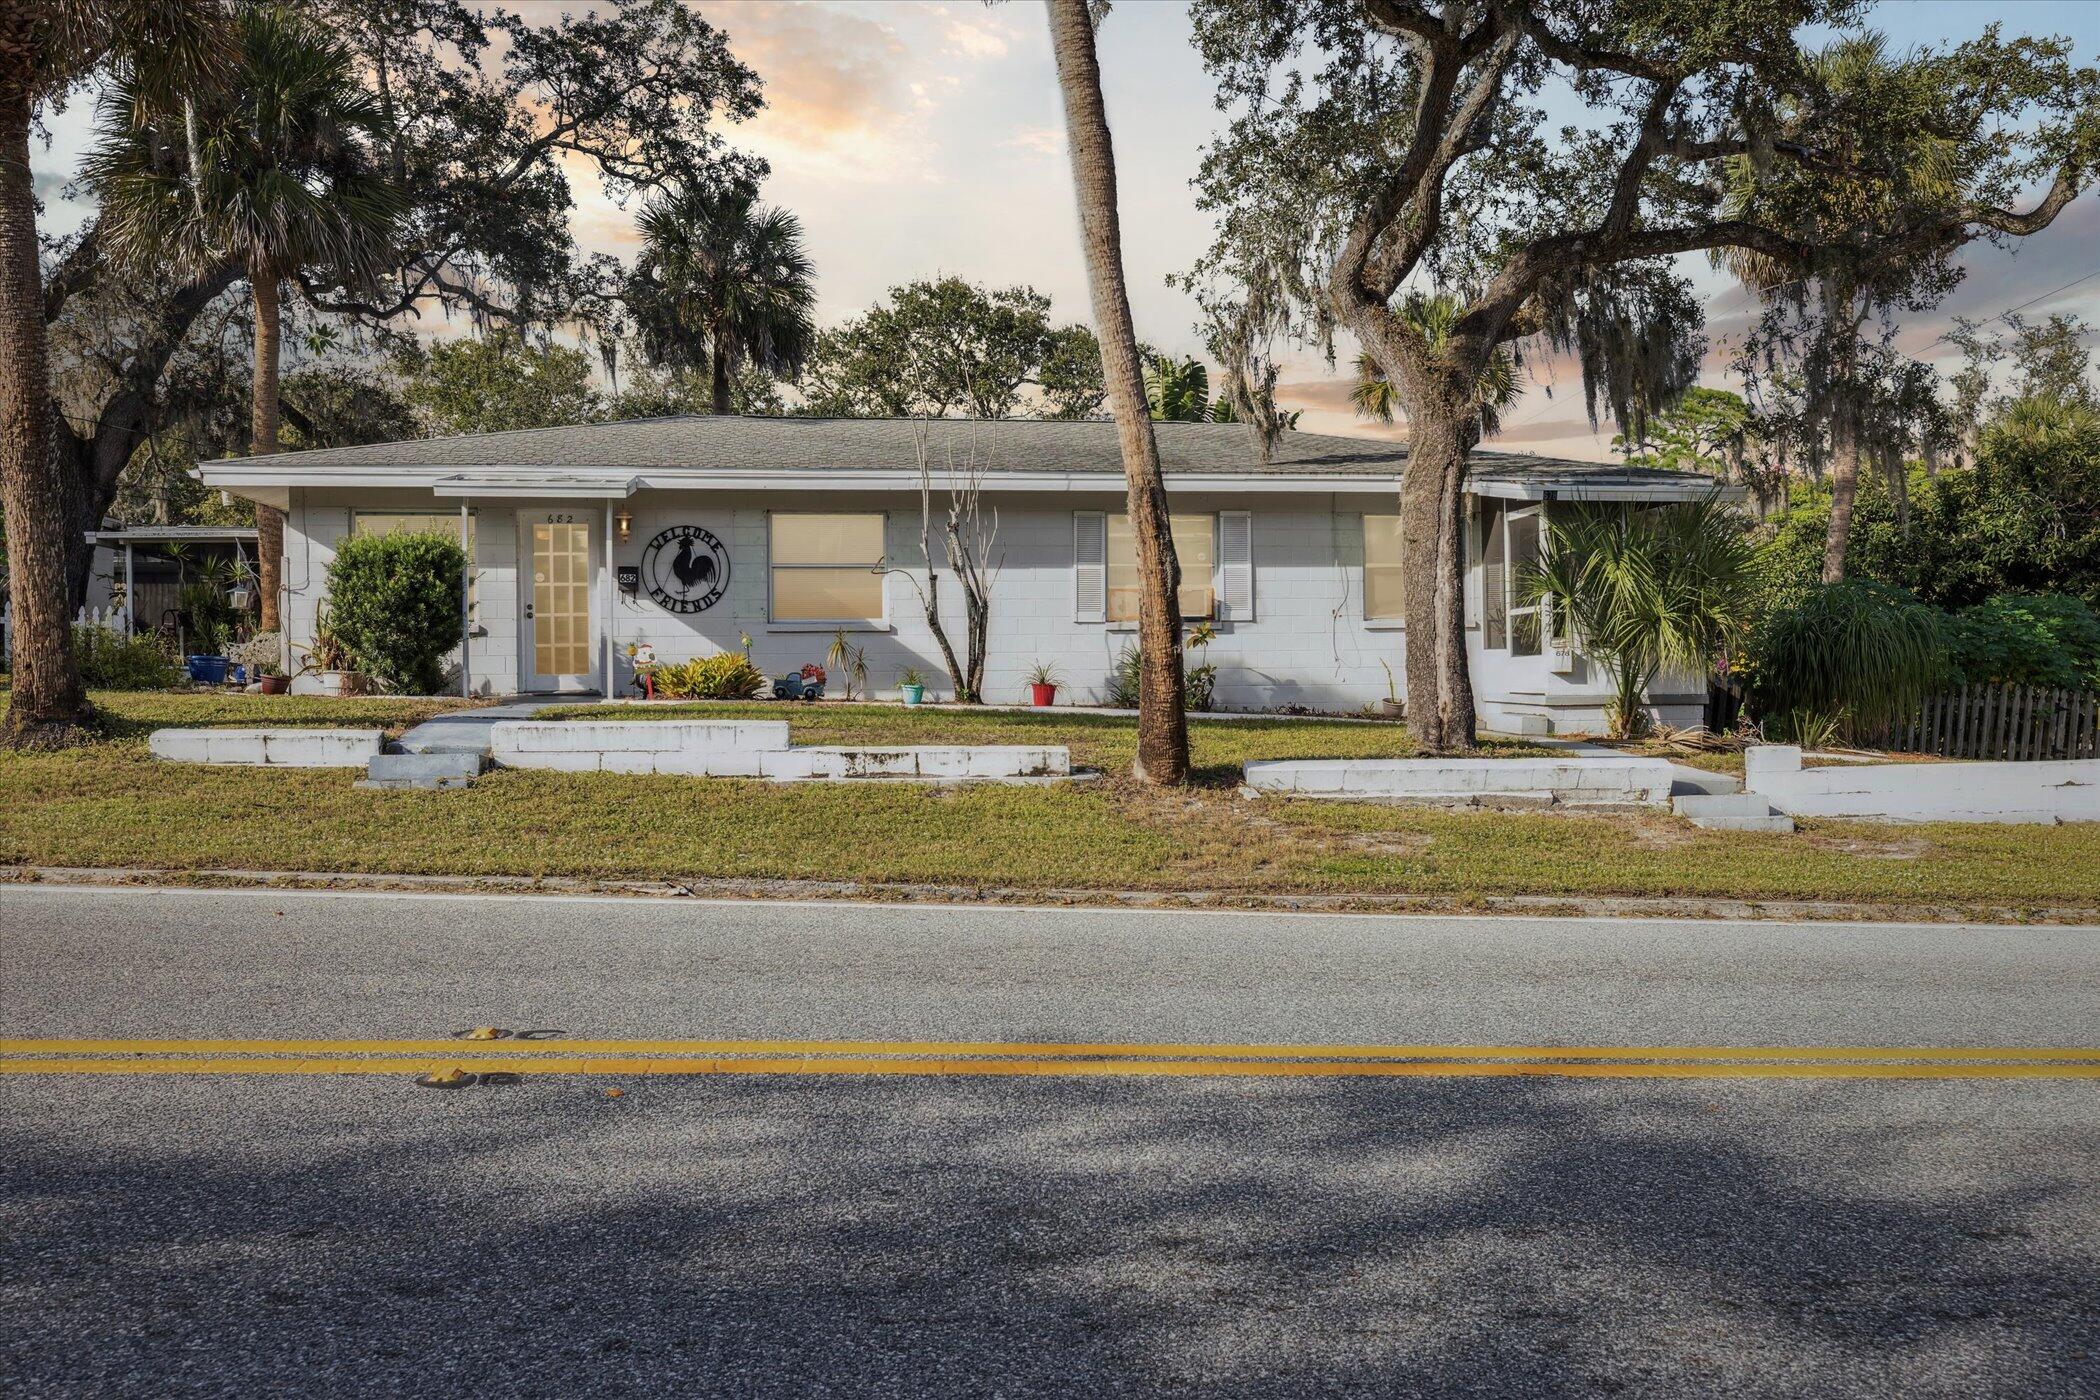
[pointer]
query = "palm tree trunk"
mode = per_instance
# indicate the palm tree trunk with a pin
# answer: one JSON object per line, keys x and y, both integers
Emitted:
{"x": 1163, "y": 738}
{"x": 718, "y": 355}
{"x": 48, "y": 708}
{"x": 269, "y": 521}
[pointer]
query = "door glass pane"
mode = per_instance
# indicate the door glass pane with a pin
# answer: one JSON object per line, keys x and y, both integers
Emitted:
{"x": 561, "y": 599}
{"x": 1494, "y": 589}
{"x": 1524, "y": 624}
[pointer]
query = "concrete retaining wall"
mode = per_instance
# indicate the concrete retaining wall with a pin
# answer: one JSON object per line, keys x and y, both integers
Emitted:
{"x": 753, "y": 749}
{"x": 1575, "y": 781}
{"x": 277, "y": 748}
{"x": 2061, "y": 791}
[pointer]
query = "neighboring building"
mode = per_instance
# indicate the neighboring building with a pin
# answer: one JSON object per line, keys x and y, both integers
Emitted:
{"x": 775, "y": 527}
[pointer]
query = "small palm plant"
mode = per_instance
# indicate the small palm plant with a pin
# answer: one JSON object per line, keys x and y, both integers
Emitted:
{"x": 1648, "y": 589}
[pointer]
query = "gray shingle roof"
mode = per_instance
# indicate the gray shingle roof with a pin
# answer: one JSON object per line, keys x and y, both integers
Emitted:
{"x": 705, "y": 444}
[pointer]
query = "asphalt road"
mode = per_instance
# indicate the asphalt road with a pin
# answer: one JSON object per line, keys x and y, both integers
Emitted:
{"x": 975, "y": 1236}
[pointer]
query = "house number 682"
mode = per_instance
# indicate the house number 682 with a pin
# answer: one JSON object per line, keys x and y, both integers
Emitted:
{"x": 561, "y": 520}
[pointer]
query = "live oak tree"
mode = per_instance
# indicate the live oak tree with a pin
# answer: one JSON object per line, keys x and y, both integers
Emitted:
{"x": 46, "y": 48}
{"x": 1163, "y": 740}
{"x": 945, "y": 346}
{"x": 1382, "y": 146}
{"x": 483, "y": 111}
{"x": 1933, "y": 155}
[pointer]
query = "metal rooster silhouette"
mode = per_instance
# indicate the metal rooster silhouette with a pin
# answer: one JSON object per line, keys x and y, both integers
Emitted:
{"x": 690, "y": 571}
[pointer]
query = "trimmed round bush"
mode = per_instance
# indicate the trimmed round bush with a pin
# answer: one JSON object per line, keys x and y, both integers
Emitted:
{"x": 393, "y": 602}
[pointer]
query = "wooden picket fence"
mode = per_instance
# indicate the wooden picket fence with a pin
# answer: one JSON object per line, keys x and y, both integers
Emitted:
{"x": 2017, "y": 722}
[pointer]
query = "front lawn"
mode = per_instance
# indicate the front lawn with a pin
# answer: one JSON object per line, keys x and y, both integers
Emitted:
{"x": 111, "y": 804}
{"x": 132, "y": 714}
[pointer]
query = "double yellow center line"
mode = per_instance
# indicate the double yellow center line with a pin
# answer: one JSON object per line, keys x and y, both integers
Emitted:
{"x": 61, "y": 1056}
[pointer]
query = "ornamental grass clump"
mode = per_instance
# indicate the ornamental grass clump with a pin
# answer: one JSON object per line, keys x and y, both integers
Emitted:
{"x": 1837, "y": 659}
{"x": 394, "y": 605}
{"x": 727, "y": 675}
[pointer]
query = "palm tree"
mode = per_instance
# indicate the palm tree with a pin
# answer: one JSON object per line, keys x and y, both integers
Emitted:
{"x": 1644, "y": 589}
{"x": 273, "y": 173}
{"x": 1869, "y": 94}
{"x": 1163, "y": 736}
{"x": 1434, "y": 315}
{"x": 46, "y": 47}
{"x": 1177, "y": 391}
{"x": 723, "y": 280}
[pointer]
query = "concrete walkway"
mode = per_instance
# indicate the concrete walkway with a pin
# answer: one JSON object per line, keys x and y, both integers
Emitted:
{"x": 467, "y": 731}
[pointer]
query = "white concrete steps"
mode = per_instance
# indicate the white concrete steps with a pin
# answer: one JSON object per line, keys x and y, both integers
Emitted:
{"x": 1730, "y": 811}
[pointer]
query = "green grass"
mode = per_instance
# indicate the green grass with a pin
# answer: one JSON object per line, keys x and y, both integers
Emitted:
{"x": 111, "y": 804}
{"x": 132, "y": 714}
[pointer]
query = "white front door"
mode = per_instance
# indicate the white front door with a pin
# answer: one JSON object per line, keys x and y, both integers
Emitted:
{"x": 556, "y": 646}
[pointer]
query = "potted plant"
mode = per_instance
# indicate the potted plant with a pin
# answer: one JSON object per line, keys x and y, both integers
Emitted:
{"x": 271, "y": 678}
{"x": 331, "y": 662}
{"x": 1392, "y": 707}
{"x": 1042, "y": 684}
{"x": 912, "y": 684}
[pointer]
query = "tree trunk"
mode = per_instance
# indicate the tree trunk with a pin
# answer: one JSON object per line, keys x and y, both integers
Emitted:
{"x": 718, "y": 355}
{"x": 1432, "y": 551}
{"x": 1844, "y": 429}
{"x": 1163, "y": 739}
{"x": 269, "y": 521}
{"x": 48, "y": 708}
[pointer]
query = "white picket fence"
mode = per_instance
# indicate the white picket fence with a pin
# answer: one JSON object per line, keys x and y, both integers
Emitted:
{"x": 111, "y": 617}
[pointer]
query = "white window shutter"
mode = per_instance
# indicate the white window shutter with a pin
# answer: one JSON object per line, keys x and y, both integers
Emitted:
{"x": 1236, "y": 565}
{"x": 1089, "y": 566}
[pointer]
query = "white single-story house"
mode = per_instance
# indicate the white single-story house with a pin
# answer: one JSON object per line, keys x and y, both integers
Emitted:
{"x": 691, "y": 533}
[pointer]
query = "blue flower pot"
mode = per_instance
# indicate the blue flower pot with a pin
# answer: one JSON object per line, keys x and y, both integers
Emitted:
{"x": 913, "y": 694}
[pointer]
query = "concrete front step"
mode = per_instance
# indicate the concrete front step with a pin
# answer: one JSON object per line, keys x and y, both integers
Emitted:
{"x": 423, "y": 771}
{"x": 1731, "y": 811}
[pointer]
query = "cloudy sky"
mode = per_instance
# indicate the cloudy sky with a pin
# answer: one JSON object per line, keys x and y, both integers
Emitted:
{"x": 916, "y": 139}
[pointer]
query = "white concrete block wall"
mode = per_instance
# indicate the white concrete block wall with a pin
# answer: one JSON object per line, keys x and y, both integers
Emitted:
{"x": 1307, "y": 643}
{"x": 319, "y": 520}
{"x": 2065, "y": 790}
{"x": 1644, "y": 781}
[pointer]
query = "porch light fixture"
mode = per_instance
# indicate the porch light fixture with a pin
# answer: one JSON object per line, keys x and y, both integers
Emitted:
{"x": 623, "y": 521}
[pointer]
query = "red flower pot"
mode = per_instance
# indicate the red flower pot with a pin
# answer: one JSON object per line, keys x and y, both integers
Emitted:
{"x": 275, "y": 685}
{"x": 1042, "y": 694}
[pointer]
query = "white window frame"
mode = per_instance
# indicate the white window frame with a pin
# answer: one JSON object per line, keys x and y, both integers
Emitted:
{"x": 358, "y": 513}
{"x": 1216, "y": 591}
{"x": 1363, "y": 573}
{"x": 851, "y": 624}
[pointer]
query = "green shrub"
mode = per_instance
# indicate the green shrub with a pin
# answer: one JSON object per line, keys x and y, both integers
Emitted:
{"x": 1847, "y": 656}
{"x": 109, "y": 660}
{"x": 394, "y": 604}
{"x": 2050, "y": 639}
{"x": 1198, "y": 683}
{"x": 727, "y": 675}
